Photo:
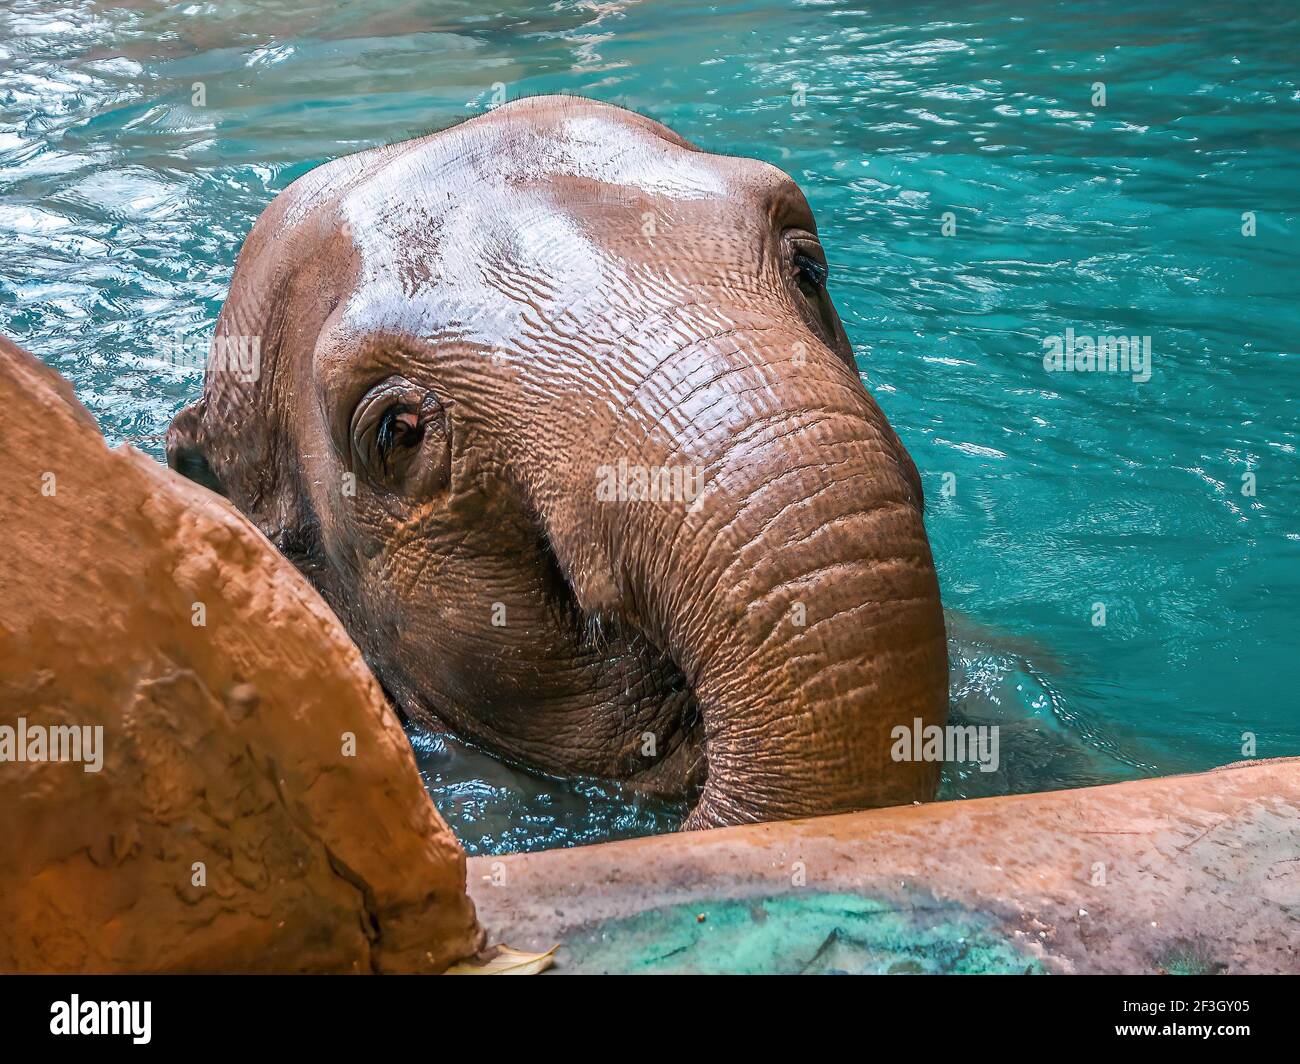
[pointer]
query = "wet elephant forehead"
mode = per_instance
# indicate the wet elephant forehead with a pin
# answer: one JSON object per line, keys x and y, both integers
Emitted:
{"x": 475, "y": 266}
{"x": 507, "y": 219}
{"x": 477, "y": 275}
{"x": 598, "y": 149}
{"x": 489, "y": 173}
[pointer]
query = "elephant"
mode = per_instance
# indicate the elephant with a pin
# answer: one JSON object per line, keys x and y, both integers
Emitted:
{"x": 554, "y": 409}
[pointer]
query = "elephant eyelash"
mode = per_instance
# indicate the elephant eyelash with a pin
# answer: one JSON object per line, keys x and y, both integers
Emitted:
{"x": 811, "y": 270}
{"x": 386, "y": 436}
{"x": 390, "y": 434}
{"x": 393, "y": 432}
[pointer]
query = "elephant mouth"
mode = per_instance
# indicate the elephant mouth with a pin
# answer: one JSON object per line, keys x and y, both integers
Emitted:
{"x": 661, "y": 741}
{"x": 668, "y": 758}
{"x": 636, "y": 684}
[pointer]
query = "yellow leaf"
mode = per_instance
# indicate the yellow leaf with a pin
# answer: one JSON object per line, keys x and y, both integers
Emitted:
{"x": 502, "y": 960}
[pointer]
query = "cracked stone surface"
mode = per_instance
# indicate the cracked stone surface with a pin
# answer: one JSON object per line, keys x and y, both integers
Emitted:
{"x": 228, "y": 829}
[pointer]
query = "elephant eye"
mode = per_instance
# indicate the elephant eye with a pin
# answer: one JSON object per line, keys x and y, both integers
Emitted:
{"x": 400, "y": 437}
{"x": 807, "y": 270}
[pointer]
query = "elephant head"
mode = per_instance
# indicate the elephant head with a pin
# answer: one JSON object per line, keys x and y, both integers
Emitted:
{"x": 556, "y": 412}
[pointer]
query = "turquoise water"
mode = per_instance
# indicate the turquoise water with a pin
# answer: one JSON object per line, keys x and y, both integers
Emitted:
{"x": 123, "y": 204}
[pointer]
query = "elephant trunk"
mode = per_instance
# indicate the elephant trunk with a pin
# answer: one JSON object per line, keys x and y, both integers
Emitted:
{"x": 825, "y": 635}
{"x": 796, "y": 592}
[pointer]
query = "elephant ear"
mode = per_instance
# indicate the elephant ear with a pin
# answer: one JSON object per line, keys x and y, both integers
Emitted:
{"x": 185, "y": 452}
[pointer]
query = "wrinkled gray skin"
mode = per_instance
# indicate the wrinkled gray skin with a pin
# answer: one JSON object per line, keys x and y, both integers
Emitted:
{"x": 469, "y": 343}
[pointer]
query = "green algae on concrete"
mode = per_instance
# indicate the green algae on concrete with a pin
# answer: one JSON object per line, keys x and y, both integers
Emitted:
{"x": 1189, "y": 959}
{"x": 799, "y": 933}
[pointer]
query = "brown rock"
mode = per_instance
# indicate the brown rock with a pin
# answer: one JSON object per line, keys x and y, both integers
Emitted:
{"x": 227, "y": 829}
